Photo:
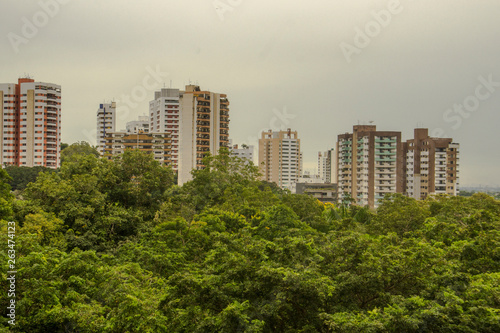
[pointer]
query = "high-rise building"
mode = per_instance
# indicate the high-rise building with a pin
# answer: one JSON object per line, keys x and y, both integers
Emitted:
{"x": 157, "y": 144}
{"x": 141, "y": 125}
{"x": 370, "y": 164}
{"x": 198, "y": 121}
{"x": 280, "y": 158}
{"x": 106, "y": 123}
{"x": 165, "y": 117}
{"x": 31, "y": 123}
{"x": 431, "y": 165}
{"x": 327, "y": 166}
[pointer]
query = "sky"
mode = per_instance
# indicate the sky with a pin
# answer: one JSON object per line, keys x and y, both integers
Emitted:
{"x": 318, "y": 66}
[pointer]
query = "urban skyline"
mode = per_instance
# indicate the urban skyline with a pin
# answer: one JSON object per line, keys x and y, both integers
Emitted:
{"x": 317, "y": 68}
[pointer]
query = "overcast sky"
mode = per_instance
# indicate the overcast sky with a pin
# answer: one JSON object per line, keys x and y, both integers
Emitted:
{"x": 318, "y": 66}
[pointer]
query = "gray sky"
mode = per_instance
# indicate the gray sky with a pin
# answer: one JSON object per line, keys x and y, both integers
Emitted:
{"x": 318, "y": 66}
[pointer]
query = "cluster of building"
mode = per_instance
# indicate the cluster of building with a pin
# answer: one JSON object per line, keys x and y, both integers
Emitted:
{"x": 184, "y": 125}
{"x": 365, "y": 165}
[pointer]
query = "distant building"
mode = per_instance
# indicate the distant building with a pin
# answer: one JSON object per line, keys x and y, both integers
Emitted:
{"x": 370, "y": 164}
{"x": 106, "y": 123}
{"x": 310, "y": 179}
{"x": 324, "y": 192}
{"x": 432, "y": 165}
{"x": 141, "y": 125}
{"x": 242, "y": 151}
{"x": 280, "y": 159}
{"x": 327, "y": 166}
{"x": 373, "y": 163}
{"x": 158, "y": 144}
{"x": 165, "y": 117}
{"x": 31, "y": 123}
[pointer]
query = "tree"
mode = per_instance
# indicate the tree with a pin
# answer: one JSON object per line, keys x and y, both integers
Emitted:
{"x": 78, "y": 148}
{"x": 22, "y": 175}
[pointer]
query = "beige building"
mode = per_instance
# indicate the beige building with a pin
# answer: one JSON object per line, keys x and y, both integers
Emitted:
{"x": 431, "y": 165}
{"x": 158, "y": 144}
{"x": 204, "y": 128}
{"x": 31, "y": 123}
{"x": 280, "y": 160}
{"x": 198, "y": 122}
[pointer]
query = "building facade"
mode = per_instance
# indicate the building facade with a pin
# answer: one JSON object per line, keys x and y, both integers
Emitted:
{"x": 198, "y": 122}
{"x": 141, "y": 125}
{"x": 324, "y": 192}
{"x": 327, "y": 166}
{"x": 370, "y": 164}
{"x": 280, "y": 159}
{"x": 165, "y": 116}
{"x": 106, "y": 123}
{"x": 243, "y": 151}
{"x": 31, "y": 123}
{"x": 158, "y": 144}
{"x": 432, "y": 165}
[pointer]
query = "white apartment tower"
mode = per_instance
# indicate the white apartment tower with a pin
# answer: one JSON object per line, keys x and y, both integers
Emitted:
{"x": 31, "y": 123}
{"x": 280, "y": 158}
{"x": 165, "y": 117}
{"x": 327, "y": 167}
{"x": 106, "y": 123}
{"x": 242, "y": 151}
{"x": 141, "y": 125}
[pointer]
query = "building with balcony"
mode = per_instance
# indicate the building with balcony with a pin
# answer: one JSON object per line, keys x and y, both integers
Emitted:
{"x": 327, "y": 166}
{"x": 106, "y": 123}
{"x": 141, "y": 125}
{"x": 158, "y": 144}
{"x": 370, "y": 164}
{"x": 432, "y": 165}
{"x": 280, "y": 159}
{"x": 198, "y": 122}
{"x": 31, "y": 123}
{"x": 324, "y": 192}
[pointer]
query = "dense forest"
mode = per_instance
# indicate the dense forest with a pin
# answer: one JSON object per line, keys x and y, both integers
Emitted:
{"x": 115, "y": 246}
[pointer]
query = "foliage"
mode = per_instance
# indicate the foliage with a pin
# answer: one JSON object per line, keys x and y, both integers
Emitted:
{"x": 22, "y": 176}
{"x": 73, "y": 151}
{"x": 114, "y": 246}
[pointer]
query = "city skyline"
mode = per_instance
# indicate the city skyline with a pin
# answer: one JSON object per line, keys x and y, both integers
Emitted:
{"x": 317, "y": 68}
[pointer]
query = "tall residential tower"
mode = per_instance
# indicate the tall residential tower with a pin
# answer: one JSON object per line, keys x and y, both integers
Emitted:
{"x": 31, "y": 123}
{"x": 431, "y": 165}
{"x": 370, "y": 164}
{"x": 106, "y": 123}
{"x": 280, "y": 158}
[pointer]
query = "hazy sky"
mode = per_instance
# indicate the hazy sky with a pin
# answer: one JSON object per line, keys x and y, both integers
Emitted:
{"x": 318, "y": 66}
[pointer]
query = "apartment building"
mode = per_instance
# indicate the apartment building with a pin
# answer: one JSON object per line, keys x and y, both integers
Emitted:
{"x": 158, "y": 144}
{"x": 280, "y": 159}
{"x": 198, "y": 121}
{"x": 432, "y": 165}
{"x": 370, "y": 164}
{"x": 327, "y": 166}
{"x": 31, "y": 123}
{"x": 141, "y": 125}
{"x": 243, "y": 151}
{"x": 165, "y": 117}
{"x": 106, "y": 123}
